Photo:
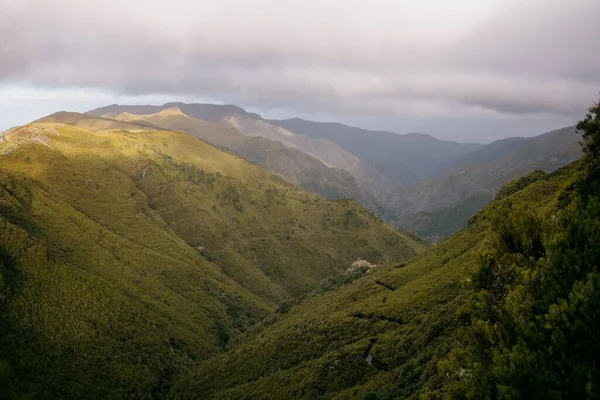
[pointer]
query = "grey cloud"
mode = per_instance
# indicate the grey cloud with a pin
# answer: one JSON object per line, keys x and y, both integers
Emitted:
{"x": 540, "y": 58}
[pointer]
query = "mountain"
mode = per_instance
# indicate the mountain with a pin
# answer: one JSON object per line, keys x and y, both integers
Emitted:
{"x": 8, "y": 130}
{"x": 250, "y": 124}
{"x": 435, "y": 225}
{"x": 94, "y": 123}
{"x": 477, "y": 176}
{"x": 138, "y": 262}
{"x": 440, "y": 184}
{"x": 413, "y": 331}
{"x": 404, "y": 159}
{"x": 517, "y": 152}
{"x": 296, "y": 166}
{"x": 415, "y": 181}
{"x": 129, "y": 254}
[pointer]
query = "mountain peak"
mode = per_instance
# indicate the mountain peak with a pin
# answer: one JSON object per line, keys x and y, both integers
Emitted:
{"x": 65, "y": 117}
{"x": 170, "y": 112}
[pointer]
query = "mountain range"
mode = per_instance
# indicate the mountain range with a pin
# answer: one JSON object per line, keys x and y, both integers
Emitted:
{"x": 295, "y": 165}
{"x": 137, "y": 261}
{"x": 129, "y": 253}
{"x": 414, "y": 181}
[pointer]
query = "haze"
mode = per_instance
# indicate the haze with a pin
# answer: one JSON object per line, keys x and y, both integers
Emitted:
{"x": 471, "y": 71}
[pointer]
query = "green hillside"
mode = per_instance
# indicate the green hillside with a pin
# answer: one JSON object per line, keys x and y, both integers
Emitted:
{"x": 249, "y": 124}
{"x": 143, "y": 263}
{"x": 296, "y": 166}
{"x": 402, "y": 331}
{"x": 128, "y": 254}
{"x": 416, "y": 182}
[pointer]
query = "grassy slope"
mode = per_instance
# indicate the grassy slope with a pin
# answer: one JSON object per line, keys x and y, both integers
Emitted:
{"x": 299, "y": 168}
{"x": 103, "y": 292}
{"x": 253, "y": 125}
{"x": 403, "y": 319}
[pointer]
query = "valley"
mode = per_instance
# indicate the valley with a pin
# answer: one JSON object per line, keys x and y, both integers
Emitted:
{"x": 404, "y": 178}
{"x": 146, "y": 256}
{"x": 141, "y": 251}
{"x": 299, "y": 200}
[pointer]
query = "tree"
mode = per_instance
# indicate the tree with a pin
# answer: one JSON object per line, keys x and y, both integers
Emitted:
{"x": 589, "y": 128}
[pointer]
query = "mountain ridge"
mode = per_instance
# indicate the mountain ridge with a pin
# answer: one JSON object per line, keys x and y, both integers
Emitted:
{"x": 250, "y": 124}
{"x": 294, "y": 165}
{"x": 406, "y": 178}
{"x": 127, "y": 255}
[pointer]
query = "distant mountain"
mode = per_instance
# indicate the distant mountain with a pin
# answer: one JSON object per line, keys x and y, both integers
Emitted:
{"x": 518, "y": 151}
{"x": 479, "y": 175}
{"x": 253, "y": 125}
{"x": 296, "y": 166}
{"x": 440, "y": 223}
{"x": 129, "y": 254}
{"x": 404, "y": 159}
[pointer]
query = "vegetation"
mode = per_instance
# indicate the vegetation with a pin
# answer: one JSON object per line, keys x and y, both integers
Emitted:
{"x": 534, "y": 311}
{"x": 590, "y": 130}
{"x": 435, "y": 225}
{"x": 401, "y": 331}
{"x": 127, "y": 256}
{"x": 150, "y": 265}
{"x": 271, "y": 146}
{"x": 521, "y": 183}
{"x": 505, "y": 308}
{"x": 296, "y": 166}
{"x": 414, "y": 181}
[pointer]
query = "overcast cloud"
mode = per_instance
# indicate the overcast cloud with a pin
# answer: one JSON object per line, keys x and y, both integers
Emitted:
{"x": 467, "y": 70}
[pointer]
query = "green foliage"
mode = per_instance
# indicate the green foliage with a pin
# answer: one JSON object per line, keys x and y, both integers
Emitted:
{"x": 295, "y": 165}
{"x": 381, "y": 333}
{"x": 128, "y": 257}
{"x": 148, "y": 265}
{"x": 442, "y": 223}
{"x": 398, "y": 332}
{"x": 521, "y": 183}
{"x": 535, "y": 331}
{"x": 589, "y": 127}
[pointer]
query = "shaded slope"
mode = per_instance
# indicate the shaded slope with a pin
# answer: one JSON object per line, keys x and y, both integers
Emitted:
{"x": 484, "y": 172}
{"x": 126, "y": 256}
{"x": 435, "y": 225}
{"x": 404, "y": 159}
{"x": 521, "y": 151}
{"x": 387, "y": 335}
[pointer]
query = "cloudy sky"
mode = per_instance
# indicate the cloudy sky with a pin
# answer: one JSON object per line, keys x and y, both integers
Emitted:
{"x": 468, "y": 70}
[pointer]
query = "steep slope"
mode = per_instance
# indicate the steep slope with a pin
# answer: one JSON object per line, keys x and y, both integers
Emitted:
{"x": 480, "y": 175}
{"x": 128, "y": 255}
{"x": 405, "y": 159}
{"x": 518, "y": 151}
{"x": 8, "y": 130}
{"x": 94, "y": 123}
{"x": 398, "y": 332}
{"x": 253, "y": 125}
{"x": 436, "y": 225}
{"x": 295, "y": 165}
